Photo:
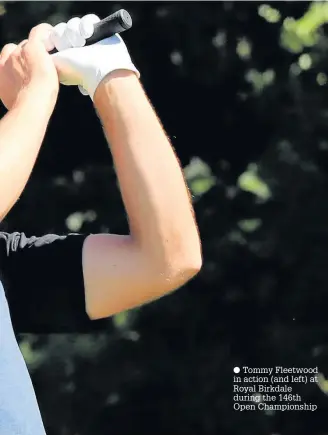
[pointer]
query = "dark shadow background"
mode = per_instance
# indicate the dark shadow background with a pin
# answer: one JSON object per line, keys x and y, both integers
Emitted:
{"x": 240, "y": 89}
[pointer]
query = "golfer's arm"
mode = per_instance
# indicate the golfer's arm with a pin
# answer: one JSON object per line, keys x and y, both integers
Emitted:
{"x": 163, "y": 249}
{"x": 22, "y": 131}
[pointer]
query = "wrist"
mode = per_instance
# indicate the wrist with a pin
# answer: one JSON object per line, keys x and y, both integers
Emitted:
{"x": 38, "y": 96}
{"x": 112, "y": 82}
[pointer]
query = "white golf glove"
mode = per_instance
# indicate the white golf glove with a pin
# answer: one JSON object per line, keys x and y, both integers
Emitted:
{"x": 87, "y": 66}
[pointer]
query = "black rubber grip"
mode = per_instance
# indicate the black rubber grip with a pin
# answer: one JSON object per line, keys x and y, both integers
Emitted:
{"x": 114, "y": 23}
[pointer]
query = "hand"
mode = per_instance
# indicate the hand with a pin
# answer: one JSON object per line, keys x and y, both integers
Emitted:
{"x": 87, "y": 66}
{"x": 27, "y": 66}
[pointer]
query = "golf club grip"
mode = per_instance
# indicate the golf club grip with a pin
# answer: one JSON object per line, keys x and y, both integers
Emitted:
{"x": 114, "y": 23}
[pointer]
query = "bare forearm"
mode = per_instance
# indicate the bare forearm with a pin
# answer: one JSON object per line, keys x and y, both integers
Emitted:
{"x": 151, "y": 181}
{"x": 21, "y": 134}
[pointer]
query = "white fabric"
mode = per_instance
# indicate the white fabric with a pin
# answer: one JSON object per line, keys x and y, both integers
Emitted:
{"x": 19, "y": 412}
{"x": 87, "y": 66}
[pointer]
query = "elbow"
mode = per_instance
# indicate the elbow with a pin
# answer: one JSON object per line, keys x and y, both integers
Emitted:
{"x": 188, "y": 260}
{"x": 191, "y": 264}
{"x": 181, "y": 268}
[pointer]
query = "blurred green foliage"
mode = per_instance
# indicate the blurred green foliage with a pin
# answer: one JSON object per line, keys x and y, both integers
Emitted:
{"x": 241, "y": 90}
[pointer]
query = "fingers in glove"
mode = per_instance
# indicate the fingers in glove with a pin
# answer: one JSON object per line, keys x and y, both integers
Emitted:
{"x": 73, "y": 33}
{"x": 58, "y": 39}
{"x": 87, "y": 25}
